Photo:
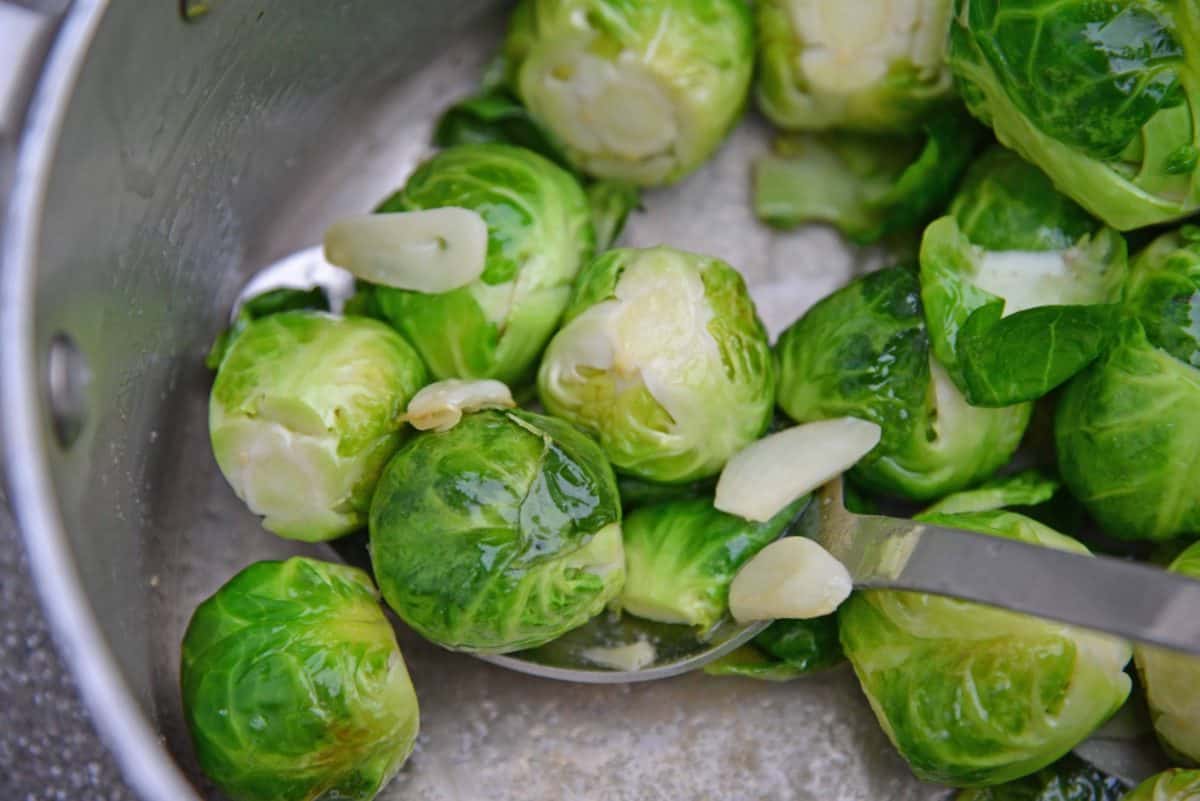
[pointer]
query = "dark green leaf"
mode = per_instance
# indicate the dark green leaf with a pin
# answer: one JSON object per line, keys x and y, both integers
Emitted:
{"x": 611, "y": 203}
{"x": 494, "y": 115}
{"x": 1007, "y": 360}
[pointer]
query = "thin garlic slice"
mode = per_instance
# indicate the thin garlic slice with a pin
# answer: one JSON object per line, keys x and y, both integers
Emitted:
{"x": 431, "y": 251}
{"x": 792, "y": 578}
{"x": 439, "y": 406}
{"x": 634, "y": 656}
{"x": 769, "y": 474}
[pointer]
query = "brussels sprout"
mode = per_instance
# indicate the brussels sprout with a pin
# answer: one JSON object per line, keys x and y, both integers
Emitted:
{"x": 1171, "y": 785}
{"x": 831, "y": 64}
{"x": 641, "y": 92}
{"x": 1126, "y": 427}
{"x": 1029, "y": 488}
{"x": 867, "y": 186}
{"x": 305, "y": 411}
{"x": 1069, "y": 779}
{"x": 1170, "y": 680}
{"x": 539, "y": 234}
{"x": 681, "y": 555}
{"x": 293, "y": 686}
{"x": 1018, "y": 284}
{"x": 786, "y": 649}
{"x": 864, "y": 352}
{"x": 972, "y": 695}
{"x": 663, "y": 359}
{"x": 1093, "y": 93}
{"x": 497, "y": 535}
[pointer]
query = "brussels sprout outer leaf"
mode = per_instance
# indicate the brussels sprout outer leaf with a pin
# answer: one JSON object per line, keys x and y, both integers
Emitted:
{"x": 1171, "y": 785}
{"x": 494, "y": 115}
{"x": 305, "y": 411}
{"x": 293, "y": 685}
{"x": 1026, "y": 355}
{"x": 539, "y": 235}
{"x": 1128, "y": 446}
{"x": 1006, "y": 203}
{"x": 1029, "y": 488}
{"x": 500, "y": 534}
{"x": 611, "y": 203}
{"x": 974, "y": 696}
{"x": 867, "y": 186}
{"x": 264, "y": 305}
{"x": 1169, "y": 680}
{"x": 680, "y": 557}
{"x": 785, "y": 650}
{"x": 1069, "y": 779}
{"x": 751, "y": 662}
{"x": 637, "y": 492}
{"x": 864, "y": 352}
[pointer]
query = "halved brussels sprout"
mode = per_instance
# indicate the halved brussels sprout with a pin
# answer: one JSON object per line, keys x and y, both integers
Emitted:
{"x": 786, "y": 649}
{"x": 868, "y": 186}
{"x": 662, "y": 358}
{"x": 1126, "y": 429}
{"x": 681, "y": 555}
{"x": 1096, "y": 94}
{"x": 539, "y": 234}
{"x": 1069, "y": 779}
{"x": 293, "y": 685}
{"x": 642, "y": 92}
{"x": 497, "y": 535}
{"x": 864, "y": 352}
{"x": 972, "y": 695}
{"x": 1018, "y": 284}
{"x": 1171, "y": 785}
{"x": 1170, "y": 680}
{"x": 832, "y": 64}
{"x": 305, "y": 411}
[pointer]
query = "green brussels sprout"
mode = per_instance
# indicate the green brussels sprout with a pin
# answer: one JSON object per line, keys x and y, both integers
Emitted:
{"x": 293, "y": 686}
{"x": 1170, "y": 785}
{"x": 1069, "y": 779}
{"x": 868, "y": 186}
{"x": 832, "y": 64}
{"x": 539, "y": 234}
{"x": 498, "y": 535}
{"x": 1093, "y": 93}
{"x": 682, "y": 555}
{"x": 663, "y": 359}
{"x": 1126, "y": 428}
{"x": 305, "y": 411}
{"x": 786, "y": 649}
{"x": 1019, "y": 284}
{"x": 972, "y": 695}
{"x": 641, "y": 92}
{"x": 1170, "y": 680}
{"x": 864, "y": 352}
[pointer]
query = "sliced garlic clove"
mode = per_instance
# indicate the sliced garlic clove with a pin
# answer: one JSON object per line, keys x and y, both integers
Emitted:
{"x": 431, "y": 251}
{"x": 634, "y": 656}
{"x": 769, "y": 474}
{"x": 439, "y": 406}
{"x": 792, "y": 578}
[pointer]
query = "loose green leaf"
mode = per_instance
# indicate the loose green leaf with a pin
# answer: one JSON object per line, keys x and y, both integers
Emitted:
{"x": 867, "y": 186}
{"x": 1029, "y": 488}
{"x": 1069, "y": 779}
{"x": 494, "y": 115}
{"x": 264, "y": 305}
{"x": 1007, "y": 360}
{"x": 611, "y": 203}
{"x": 787, "y": 649}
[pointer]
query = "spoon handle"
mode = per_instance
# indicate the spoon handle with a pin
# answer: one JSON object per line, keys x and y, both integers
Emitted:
{"x": 1133, "y": 601}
